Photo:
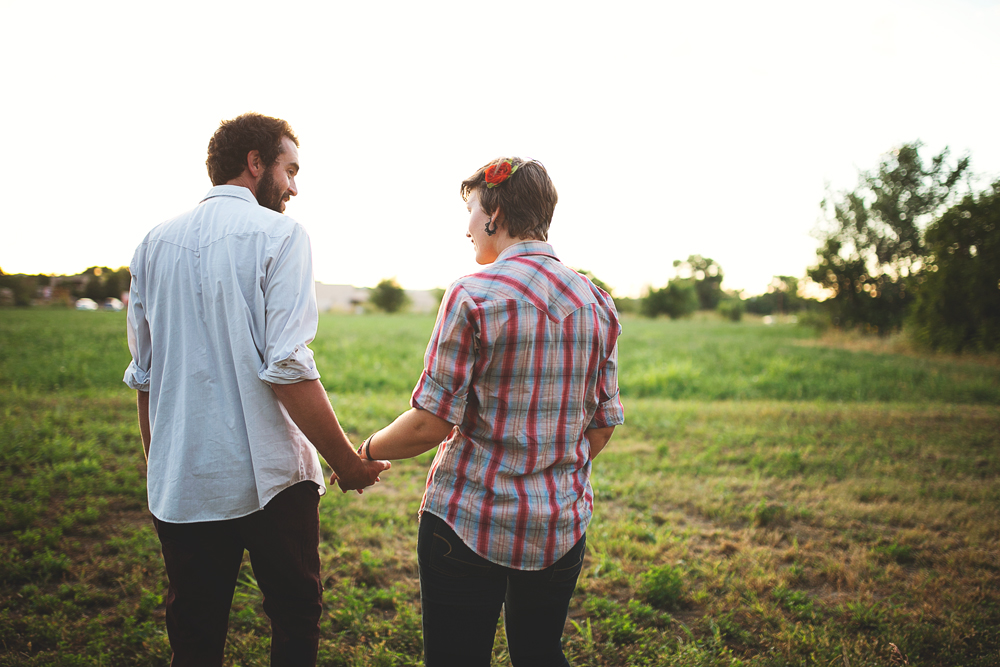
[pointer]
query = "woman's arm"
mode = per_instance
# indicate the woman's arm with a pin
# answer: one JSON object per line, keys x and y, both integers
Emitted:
{"x": 412, "y": 433}
{"x": 598, "y": 438}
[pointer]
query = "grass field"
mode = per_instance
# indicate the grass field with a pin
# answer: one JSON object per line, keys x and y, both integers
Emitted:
{"x": 774, "y": 499}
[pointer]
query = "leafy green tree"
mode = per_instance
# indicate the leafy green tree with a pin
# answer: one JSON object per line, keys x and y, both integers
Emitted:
{"x": 707, "y": 275}
{"x": 103, "y": 283}
{"x": 389, "y": 296}
{"x": 678, "y": 299}
{"x": 781, "y": 297}
{"x": 958, "y": 302}
{"x": 874, "y": 243}
{"x": 116, "y": 282}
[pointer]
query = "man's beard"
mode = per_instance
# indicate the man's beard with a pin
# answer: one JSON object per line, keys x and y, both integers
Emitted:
{"x": 269, "y": 195}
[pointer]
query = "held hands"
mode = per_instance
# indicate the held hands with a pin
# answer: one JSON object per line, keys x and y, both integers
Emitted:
{"x": 361, "y": 475}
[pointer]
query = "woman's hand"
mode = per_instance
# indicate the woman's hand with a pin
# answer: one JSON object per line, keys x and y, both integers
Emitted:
{"x": 598, "y": 438}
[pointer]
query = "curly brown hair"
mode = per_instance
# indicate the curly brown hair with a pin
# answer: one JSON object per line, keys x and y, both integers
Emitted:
{"x": 526, "y": 199}
{"x": 228, "y": 147}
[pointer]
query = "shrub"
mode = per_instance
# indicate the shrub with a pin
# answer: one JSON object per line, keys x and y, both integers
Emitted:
{"x": 731, "y": 309}
{"x": 389, "y": 296}
{"x": 677, "y": 299}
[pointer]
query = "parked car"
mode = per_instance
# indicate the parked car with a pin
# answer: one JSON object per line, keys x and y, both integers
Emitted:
{"x": 111, "y": 303}
{"x": 86, "y": 304}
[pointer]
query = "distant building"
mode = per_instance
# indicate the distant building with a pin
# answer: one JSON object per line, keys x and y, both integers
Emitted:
{"x": 351, "y": 299}
{"x": 340, "y": 298}
{"x": 422, "y": 301}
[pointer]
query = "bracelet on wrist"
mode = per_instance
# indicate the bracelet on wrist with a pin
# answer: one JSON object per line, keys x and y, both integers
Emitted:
{"x": 366, "y": 446}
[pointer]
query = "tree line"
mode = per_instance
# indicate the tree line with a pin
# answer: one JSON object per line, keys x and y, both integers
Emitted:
{"x": 100, "y": 283}
{"x": 97, "y": 282}
{"x": 913, "y": 245}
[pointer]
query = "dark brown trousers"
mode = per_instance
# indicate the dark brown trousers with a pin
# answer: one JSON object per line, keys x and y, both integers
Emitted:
{"x": 203, "y": 562}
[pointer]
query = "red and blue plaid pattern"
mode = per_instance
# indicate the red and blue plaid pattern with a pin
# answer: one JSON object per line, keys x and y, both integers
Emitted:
{"x": 523, "y": 358}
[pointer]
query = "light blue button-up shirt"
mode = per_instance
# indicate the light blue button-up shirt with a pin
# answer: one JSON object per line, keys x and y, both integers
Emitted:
{"x": 222, "y": 303}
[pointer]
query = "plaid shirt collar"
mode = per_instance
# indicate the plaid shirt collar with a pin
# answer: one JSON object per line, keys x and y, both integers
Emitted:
{"x": 529, "y": 247}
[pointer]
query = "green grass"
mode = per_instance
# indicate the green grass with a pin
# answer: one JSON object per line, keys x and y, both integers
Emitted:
{"x": 839, "y": 504}
{"x": 710, "y": 360}
{"x": 50, "y": 350}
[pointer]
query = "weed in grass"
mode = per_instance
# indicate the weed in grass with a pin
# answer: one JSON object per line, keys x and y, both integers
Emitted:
{"x": 898, "y": 553}
{"x": 766, "y": 513}
{"x": 799, "y": 603}
{"x": 864, "y": 615}
{"x": 663, "y": 586}
{"x": 586, "y": 632}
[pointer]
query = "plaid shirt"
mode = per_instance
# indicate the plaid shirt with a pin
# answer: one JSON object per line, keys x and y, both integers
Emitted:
{"x": 523, "y": 358}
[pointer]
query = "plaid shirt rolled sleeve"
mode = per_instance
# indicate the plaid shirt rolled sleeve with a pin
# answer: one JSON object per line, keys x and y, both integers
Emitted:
{"x": 444, "y": 384}
{"x": 610, "y": 411}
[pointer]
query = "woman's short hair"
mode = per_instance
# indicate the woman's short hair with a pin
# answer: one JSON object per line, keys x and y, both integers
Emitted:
{"x": 526, "y": 199}
{"x": 228, "y": 147}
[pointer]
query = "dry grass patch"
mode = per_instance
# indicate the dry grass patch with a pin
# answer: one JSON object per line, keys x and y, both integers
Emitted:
{"x": 897, "y": 343}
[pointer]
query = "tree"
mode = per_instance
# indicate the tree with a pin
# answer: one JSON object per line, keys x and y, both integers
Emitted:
{"x": 707, "y": 275}
{"x": 389, "y": 296}
{"x": 104, "y": 282}
{"x": 782, "y": 296}
{"x": 594, "y": 279}
{"x": 678, "y": 299}
{"x": 23, "y": 288}
{"x": 958, "y": 302}
{"x": 874, "y": 243}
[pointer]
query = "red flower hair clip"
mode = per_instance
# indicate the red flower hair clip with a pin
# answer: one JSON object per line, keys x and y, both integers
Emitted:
{"x": 498, "y": 173}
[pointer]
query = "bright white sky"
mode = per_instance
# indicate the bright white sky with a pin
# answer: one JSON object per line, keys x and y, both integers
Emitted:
{"x": 668, "y": 128}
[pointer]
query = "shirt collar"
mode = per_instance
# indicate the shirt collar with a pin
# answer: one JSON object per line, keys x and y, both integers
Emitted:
{"x": 530, "y": 247}
{"x": 237, "y": 191}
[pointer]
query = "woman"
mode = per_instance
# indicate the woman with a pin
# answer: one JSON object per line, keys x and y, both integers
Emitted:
{"x": 520, "y": 391}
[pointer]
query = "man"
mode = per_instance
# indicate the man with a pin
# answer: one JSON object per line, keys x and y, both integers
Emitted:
{"x": 231, "y": 410}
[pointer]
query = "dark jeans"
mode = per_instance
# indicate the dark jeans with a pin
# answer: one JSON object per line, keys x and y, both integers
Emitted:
{"x": 461, "y": 594}
{"x": 203, "y": 562}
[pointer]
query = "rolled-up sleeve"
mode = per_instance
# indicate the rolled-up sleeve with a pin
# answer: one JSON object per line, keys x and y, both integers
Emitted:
{"x": 137, "y": 373}
{"x": 290, "y": 313}
{"x": 610, "y": 411}
{"x": 443, "y": 387}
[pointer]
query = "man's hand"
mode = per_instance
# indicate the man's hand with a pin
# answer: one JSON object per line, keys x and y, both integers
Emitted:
{"x": 309, "y": 407}
{"x": 362, "y": 475}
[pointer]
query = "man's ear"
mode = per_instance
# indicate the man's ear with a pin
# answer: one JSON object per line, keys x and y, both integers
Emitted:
{"x": 254, "y": 164}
